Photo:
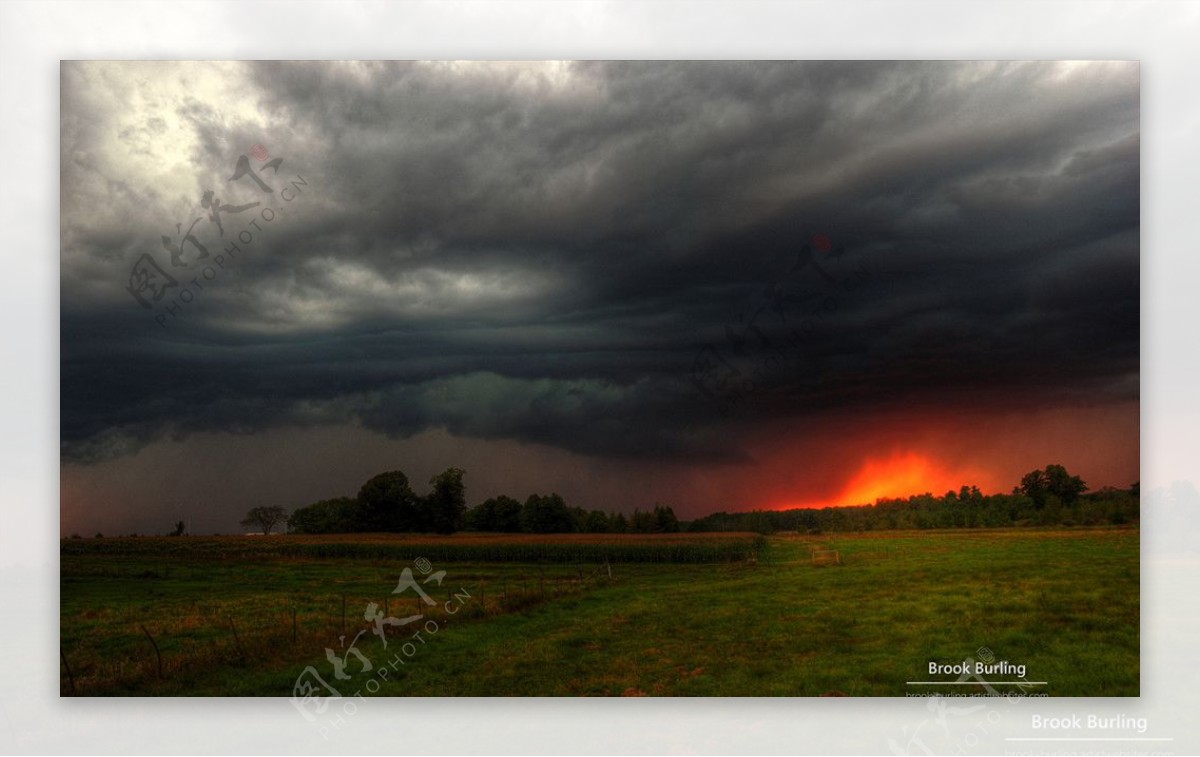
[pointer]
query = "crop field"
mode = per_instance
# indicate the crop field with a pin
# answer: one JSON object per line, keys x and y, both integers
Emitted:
{"x": 554, "y": 548}
{"x": 601, "y": 615}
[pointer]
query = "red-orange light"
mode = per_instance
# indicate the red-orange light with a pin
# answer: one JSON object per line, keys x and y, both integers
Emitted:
{"x": 898, "y": 475}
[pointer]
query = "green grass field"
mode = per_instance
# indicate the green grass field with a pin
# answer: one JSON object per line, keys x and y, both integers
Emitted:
{"x": 669, "y": 615}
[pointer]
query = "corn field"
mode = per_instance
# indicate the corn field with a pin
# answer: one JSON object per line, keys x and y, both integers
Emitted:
{"x": 515, "y": 548}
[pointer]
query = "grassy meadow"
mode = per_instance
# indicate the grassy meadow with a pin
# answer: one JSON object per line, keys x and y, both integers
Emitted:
{"x": 601, "y": 615}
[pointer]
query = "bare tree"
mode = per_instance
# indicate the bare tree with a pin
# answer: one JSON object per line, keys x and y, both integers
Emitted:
{"x": 265, "y": 518}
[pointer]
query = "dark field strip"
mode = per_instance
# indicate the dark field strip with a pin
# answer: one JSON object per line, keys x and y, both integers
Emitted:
{"x": 574, "y": 548}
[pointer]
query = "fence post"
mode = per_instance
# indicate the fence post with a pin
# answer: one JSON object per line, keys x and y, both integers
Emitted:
{"x": 70, "y": 678}
{"x": 157, "y": 654}
{"x": 236, "y": 639}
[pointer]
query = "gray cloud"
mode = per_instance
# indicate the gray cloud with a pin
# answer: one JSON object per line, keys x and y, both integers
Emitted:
{"x": 537, "y": 252}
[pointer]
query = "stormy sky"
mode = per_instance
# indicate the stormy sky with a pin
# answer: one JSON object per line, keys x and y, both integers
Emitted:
{"x": 717, "y": 285}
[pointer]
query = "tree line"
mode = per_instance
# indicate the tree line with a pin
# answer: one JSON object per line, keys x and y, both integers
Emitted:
{"x": 550, "y": 514}
{"x": 1045, "y": 497}
{"x": 387, "y": 503}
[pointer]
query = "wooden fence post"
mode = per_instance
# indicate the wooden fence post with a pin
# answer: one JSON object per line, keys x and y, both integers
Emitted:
{"x": 236, "y": 639}
{"x": 70, "y": 678}
{"x": 157, "y": 654}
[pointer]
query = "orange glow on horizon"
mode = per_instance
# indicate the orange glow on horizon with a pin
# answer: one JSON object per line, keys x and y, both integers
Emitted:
{"x": 898, "y": 476}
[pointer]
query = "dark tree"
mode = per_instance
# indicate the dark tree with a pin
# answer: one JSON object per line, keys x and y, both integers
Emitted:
{"x": 665, "y": 521}
{"x": 642, "y": 522}
{"x": 388, "y": 504}
{"x": 446, "y": 504}
{"x": 329, "y": 516}
{"x": 546, "y": 515}
{"x": 1034, "y": 486}
{"x": 1038, "y": 485}
{"x": 596, "y": 522}
{"x": 1063, "y": 485}
{"x": 500, "y": 514}
{"x": 264, "y": 518}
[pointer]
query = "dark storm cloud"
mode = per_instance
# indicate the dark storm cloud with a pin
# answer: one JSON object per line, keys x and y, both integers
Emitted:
{"x": 538, "y": 251}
